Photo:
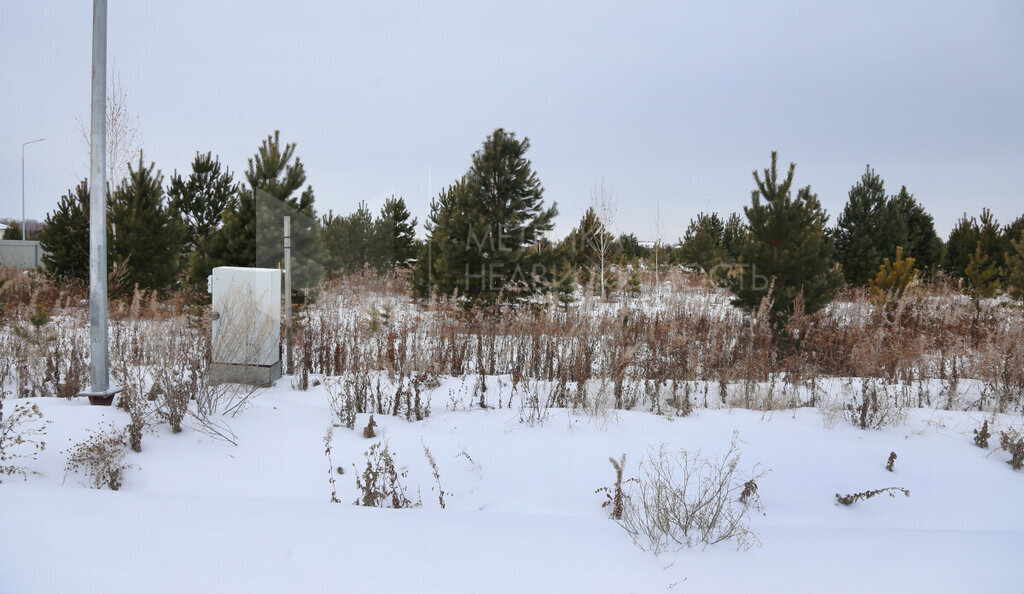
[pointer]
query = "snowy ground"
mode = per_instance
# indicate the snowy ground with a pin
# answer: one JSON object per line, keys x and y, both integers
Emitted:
{"x": 196, "y": 514}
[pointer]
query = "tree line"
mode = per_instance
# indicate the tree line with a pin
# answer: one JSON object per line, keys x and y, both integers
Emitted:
{"x": 165, "y": 236}
{"x": 487, "y": 235}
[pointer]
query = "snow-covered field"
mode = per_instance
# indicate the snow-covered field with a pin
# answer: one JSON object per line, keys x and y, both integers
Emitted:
{"x": 200, "y": 515}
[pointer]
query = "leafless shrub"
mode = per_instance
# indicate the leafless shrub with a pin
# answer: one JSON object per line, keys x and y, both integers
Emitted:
{"x": 981, "y": 435}
{"x": 368, "y": 432}
{"x": 533, "y": 408}
{"x": 685, "y": 500}
{"x": 21, "y": 431}
{"x": 328, "y": 438}
{"x": 615, "y": 498}
{"x": 100, "y": 458}
{"x": 852, "y": 498}
{"x": 749, "y": 494}
{"x": 877, "y": 408}
{"x": 349, "y": 396}
{"x": 380, "y": 484}
{"x": 174, "y": 399}
{"x": 437, "y": 476}
{"x": 1012, "y": 442}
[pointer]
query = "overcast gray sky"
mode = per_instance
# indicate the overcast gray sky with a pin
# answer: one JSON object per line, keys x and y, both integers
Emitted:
{"x": 671, "y": 103}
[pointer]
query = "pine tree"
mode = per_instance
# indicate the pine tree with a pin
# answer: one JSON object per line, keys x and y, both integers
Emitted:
{"x": 483, "y": 230}
{"x": 200, "y": 200}
{"x": 634, "y": 284}
{"x": 992, "y": 239}
{"x": 786, "y": 249}
{"x": 592, "y": 246}
{"x": 868, "y": 230}
{"x": 395, "y": 235}
{"x": 733, "y": 235}
{"x": 435, "y": 270}
{"x": 631, "y": 250}
{"x": 893, "y": 277}
{"x": 565, "y": 285}
{"x": 1012, "y": 232}
{"x": 703, "y": 244}
{"x": 145, "y": 235}
{"x": 982, "y": 274}
{"x": 963, "y": 239}
{"x": 252, "y": 234}
{"x": 922, "y": 243}
{"x": 65, "y": 236}
{"x": 1015, "y": 266}
{"x": 350, "y": 241}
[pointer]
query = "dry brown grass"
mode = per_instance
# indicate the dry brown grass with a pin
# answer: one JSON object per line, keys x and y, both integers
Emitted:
{"x": 667, "y": 350}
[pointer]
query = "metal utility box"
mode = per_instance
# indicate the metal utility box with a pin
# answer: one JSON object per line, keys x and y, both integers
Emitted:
{"x": 246, "y": 325}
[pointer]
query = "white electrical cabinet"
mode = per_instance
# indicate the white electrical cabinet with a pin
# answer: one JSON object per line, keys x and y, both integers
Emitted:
{"x": 246, "y": 325}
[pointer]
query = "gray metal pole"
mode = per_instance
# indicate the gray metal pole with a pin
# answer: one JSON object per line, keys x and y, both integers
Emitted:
{"x": 288, "y": 293}
{"x": 23, "y": 145}
{"x": 99, "y": 392}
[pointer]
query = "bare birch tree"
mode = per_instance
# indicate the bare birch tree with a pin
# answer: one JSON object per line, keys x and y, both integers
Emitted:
{"x": 603, "y": 201}
{"x": 122, "y": 133}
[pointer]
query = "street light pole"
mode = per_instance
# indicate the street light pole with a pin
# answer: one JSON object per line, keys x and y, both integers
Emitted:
{"x": 100, "y": 390}
{"x": 23, "y": 145}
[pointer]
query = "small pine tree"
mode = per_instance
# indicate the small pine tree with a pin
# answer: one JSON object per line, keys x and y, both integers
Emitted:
{"x": 395, "y": 235}
{"x": 145, "y": 235}
{"x": 787, "y": 249}
{"x": 590, "y": 242}
{"x": 963, "y": 239}
{"x": 868, "y": 229}
{"x": 635, "y": 285}
{"x": 565, "y": 286}
{"x": 733, "y": 235}
{"x": 982, "y": 274}
{"x": 893, "y": 277}
{"x": 1013, "y": 231}
{"x": 65, "y": 236}
{"x": 631, "y": 250}
{"x": 1015, "y": 267}
{"x": 350, "y": 241}
{"x": 703, "y": 243}
{"x": 13, "y": 231}
{"x": 992, "y": 240}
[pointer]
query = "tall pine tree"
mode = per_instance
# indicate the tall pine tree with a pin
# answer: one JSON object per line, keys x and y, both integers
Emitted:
{"x": 252, "y": 229}
{"x": 65, "y": 236}
{"x": 484, "y": 229}
{"x": 786, "y": 249}
{"x": 200, "y": 200}
{"x": 145, "y": 235}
